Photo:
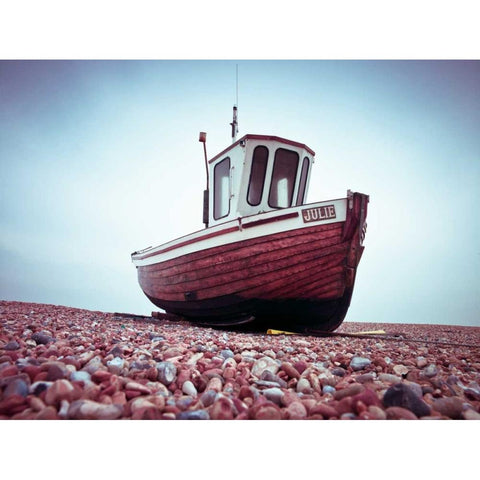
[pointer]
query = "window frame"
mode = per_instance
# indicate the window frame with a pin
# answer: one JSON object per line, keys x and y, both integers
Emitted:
{"x": 302, "y": 184}
{"x": 294, "y": 177}
{"x": 264, "y": 175}
{"x": 216, "y": 191}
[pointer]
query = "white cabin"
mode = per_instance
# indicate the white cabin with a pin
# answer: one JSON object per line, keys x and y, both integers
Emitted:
{"x": 256, "y": 174}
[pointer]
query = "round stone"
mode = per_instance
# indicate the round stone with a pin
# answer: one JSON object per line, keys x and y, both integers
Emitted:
{"x": 297, "y": 411}
{"x": 265, "y": 363}
{"x": 328, "y": 389}
{"x": 359, "y": 363}
{"x": 399, "y": 413}
{"x": 400, "y": 370}
{"x": 116, "y": 365}
{"x": 274, "y": 394}
{"x": 406, "y": 397}
{"x": 12, "y": 345}
{"x": 290, "y": 370}
{"x": 222, "y": 409}
{"x": 42, "y": 338}
{"x": 389, "y": 378}
{"x": 449, "y": 406}
{"x": 268, "y": 411}
{"x": 80, "y": 376}
{"x": 303, "y": 386}
{"x": 208, "y": 397}
{"x": 189, "y": 389}
{"x": 193, "y": 415}
{"x": 227, "y": 353}
{"x": 58, "y": 391}
{"x": 90, "y": 410}
{"x": 421, "y": 362}
{"x": 94, "y": 364}
{"x": 167, "y": 372}
{"x": 351, "y": 390}
{"x": 430, "y": 371}
{"x": 17, "y": 386}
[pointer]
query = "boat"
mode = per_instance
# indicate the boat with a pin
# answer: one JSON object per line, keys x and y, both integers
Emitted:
{"x": 264, "y": 256}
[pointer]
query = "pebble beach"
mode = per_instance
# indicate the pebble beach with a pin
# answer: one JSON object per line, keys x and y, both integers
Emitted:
{"x": 61, "y": 363}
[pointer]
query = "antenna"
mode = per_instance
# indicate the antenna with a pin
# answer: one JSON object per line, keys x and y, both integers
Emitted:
{"x": 234, "y": 123}
{"x": 236, "y": 103}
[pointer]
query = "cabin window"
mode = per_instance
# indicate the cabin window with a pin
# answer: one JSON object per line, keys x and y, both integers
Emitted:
{"x": 283, "y": 178}
{"x": 257, "y": 175}
{"x": 303, "y": 181}
{"x": 221, "y": 192}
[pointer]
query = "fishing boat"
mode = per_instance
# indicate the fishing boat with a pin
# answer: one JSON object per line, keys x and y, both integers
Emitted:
{"x": 265, "y": 256}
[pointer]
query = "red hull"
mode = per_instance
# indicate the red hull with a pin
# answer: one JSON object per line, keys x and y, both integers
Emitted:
{"x": 300, "y": 278}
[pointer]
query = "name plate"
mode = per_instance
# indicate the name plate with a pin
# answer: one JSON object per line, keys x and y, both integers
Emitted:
{"x": 319, "y": 213}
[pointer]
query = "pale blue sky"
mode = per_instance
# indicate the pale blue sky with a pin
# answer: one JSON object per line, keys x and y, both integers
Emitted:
{"x": 101, "y": 158}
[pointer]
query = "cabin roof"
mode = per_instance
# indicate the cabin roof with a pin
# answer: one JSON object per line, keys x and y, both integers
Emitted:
{"x": 265, "y": 138}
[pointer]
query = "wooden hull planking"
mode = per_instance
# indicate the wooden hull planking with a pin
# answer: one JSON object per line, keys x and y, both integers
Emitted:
{"x": 299, "y": 278}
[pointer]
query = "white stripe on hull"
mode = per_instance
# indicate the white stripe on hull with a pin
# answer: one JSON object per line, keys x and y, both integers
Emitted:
{"x": 193, "y": 243}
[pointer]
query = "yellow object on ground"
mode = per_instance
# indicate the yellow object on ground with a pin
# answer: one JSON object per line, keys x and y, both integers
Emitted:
{"x": 270, "y": 331}
{"x": 373, "y": 332}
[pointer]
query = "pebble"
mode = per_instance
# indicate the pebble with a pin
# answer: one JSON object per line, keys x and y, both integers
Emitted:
{"x": 449, "y": 406}
{"x": 92, "y": 366}
{"x": 215, "y": 384}
{"x": 265, "y": 363}
{"x": 402, "y": 395}
{"x": 430, "y": 371}
{"x": 227, "y": 353}
{"x": 268, "y": 376}
{"x": 55, "y": 371}
{"x": 222, "y": 409}
{"x": 193, "y": 415}
{"x": 377, "y": 412}
{"x": 365, "y": 378}
{"x": 38, "y": 387}
{"x": 17, "y": 386}
{"x": 421, "y": 362}
{"x": 296, "y": 411}
{"x": 188, "y": 388}
{"x": 400, "y": 370}
{"x": 208, "y": 397}
{"x": 267, "y": 411}
{"x": 303, "y": 386}
{"x": 290, "y": 370}
{"x": 12, "y": 345}
{"x": 470, "y": 414}
{"x": 324, "y": 409}
{"x": 328, "y": 389}
{"x": 274, "y": 394}
{"x": 194, "y": 358}
{"x": 349, "y": 391}
{"x": 167, "y": 372}
{"x": 42, "y": 338}
{"x": 389, "y": 378}
{"x": 58, "y": 391}
{"x": 80, "y": 376}
{"x": 359, "y": 363}
{"x": 399, "y": 413}
{"x": 90, "y": 410}
{"x": 116, "y": 365}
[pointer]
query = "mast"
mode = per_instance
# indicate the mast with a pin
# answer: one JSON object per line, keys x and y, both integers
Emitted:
{"x": 234, "y": 123}
{"x": 203, "y": 139}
